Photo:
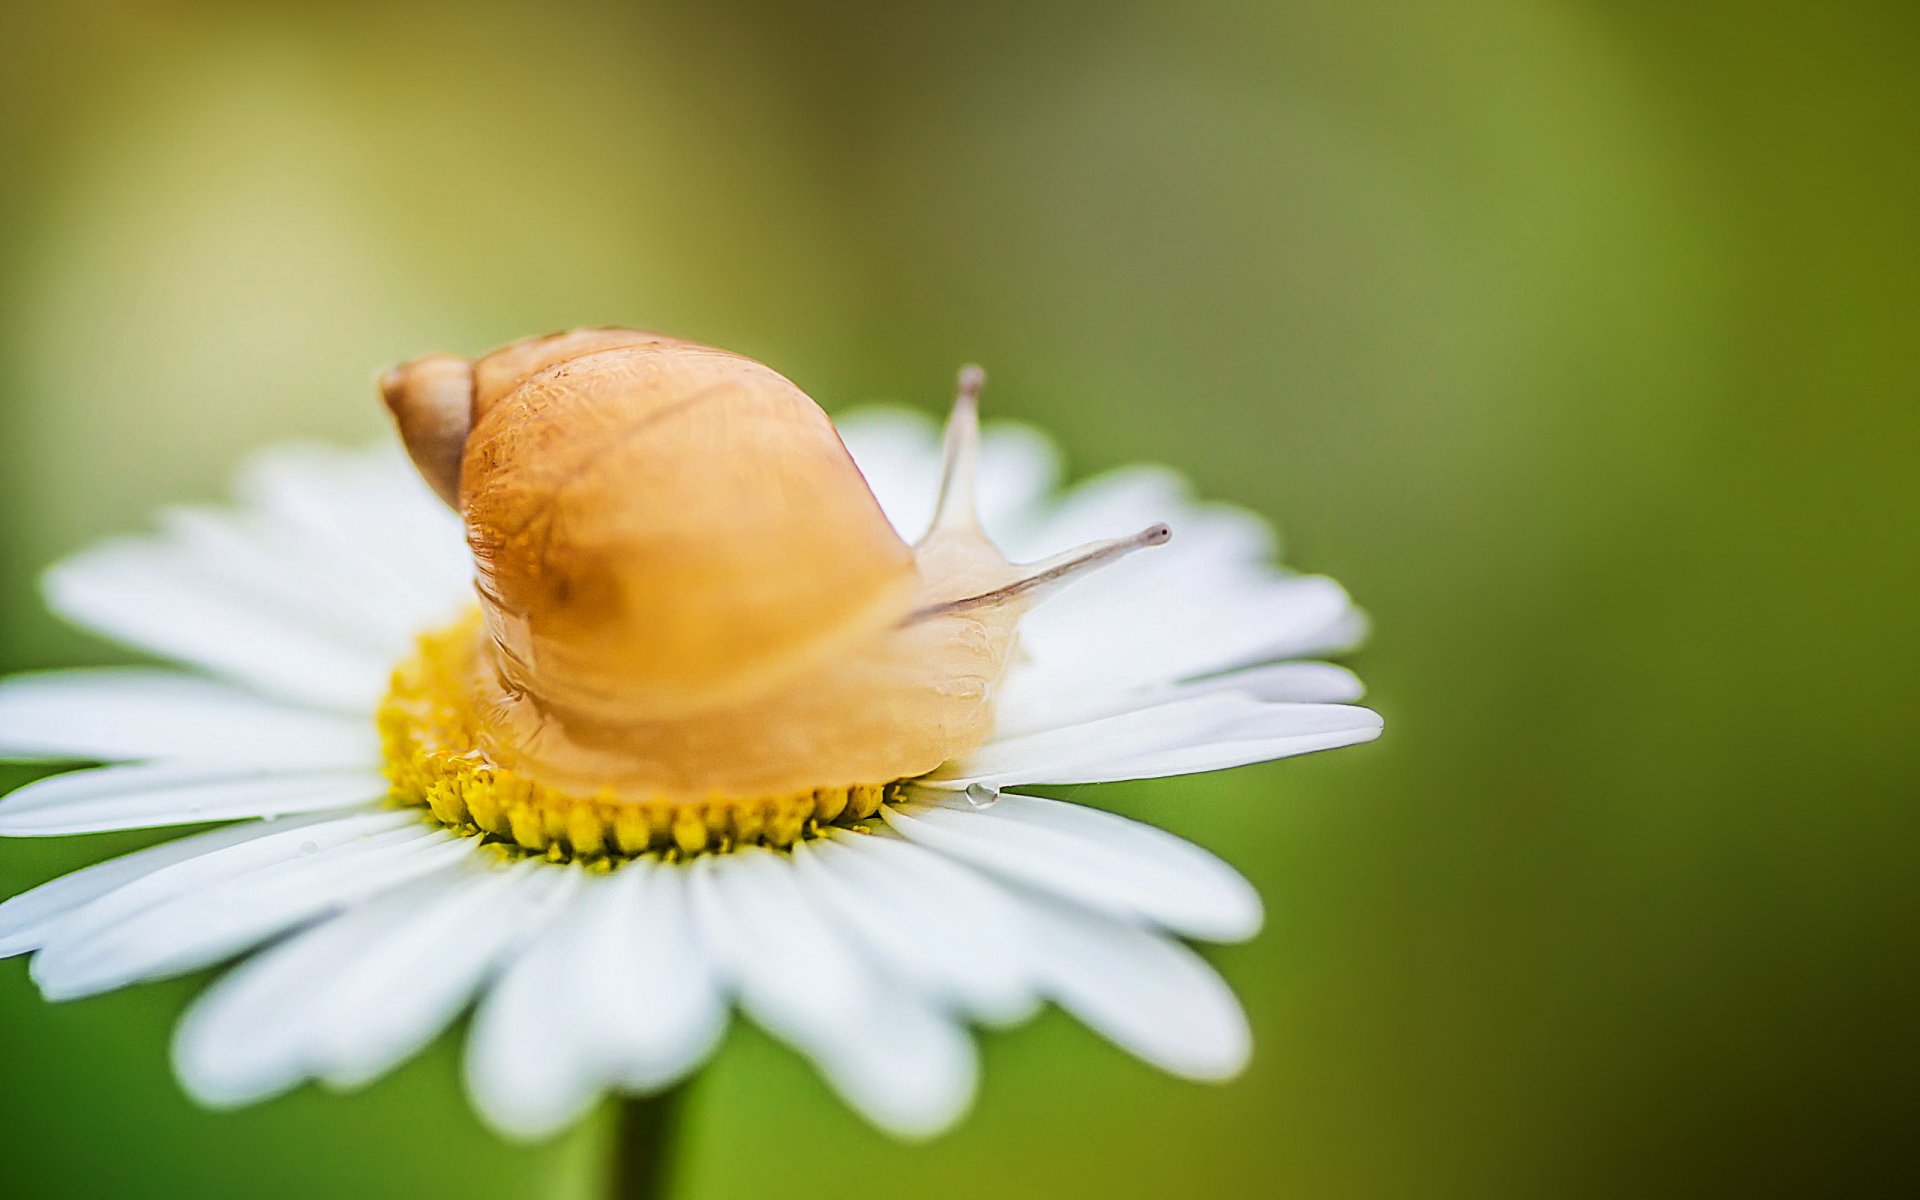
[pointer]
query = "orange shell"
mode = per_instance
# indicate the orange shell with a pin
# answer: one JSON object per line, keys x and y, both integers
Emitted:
{"x": 660, "y": 527}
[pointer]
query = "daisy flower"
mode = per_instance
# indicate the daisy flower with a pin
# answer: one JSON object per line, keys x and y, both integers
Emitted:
{"x": 371, "y": 876}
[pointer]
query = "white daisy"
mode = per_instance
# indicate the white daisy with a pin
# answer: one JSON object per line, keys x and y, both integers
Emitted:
{"x": 367, "y": 915}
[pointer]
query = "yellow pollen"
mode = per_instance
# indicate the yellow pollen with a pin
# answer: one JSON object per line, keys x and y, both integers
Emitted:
{"x": 429, "y": 734}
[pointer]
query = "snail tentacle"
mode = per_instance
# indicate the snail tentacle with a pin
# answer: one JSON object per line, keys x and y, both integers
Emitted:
{"x": 1050, "y": 574}
{"x": 955, "y": 511}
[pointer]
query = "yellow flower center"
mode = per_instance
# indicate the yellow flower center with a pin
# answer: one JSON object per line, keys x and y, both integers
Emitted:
{"x": 430, "y": 733}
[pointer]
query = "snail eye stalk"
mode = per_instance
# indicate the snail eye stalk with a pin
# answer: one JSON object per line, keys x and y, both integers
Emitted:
{"x": 1049, "y": 574}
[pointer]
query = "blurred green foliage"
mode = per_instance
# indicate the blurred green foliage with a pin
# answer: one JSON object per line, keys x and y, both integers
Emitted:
{"x": 1575, "y": 337}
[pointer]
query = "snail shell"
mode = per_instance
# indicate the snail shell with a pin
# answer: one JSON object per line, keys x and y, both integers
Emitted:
{"x": 660, "y": 528}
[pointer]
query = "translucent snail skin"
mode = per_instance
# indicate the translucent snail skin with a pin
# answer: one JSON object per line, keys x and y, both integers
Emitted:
{"x": 691, "y": 607}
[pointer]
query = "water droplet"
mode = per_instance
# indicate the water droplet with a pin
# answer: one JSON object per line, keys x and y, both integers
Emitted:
{"x": 981, "y": 796}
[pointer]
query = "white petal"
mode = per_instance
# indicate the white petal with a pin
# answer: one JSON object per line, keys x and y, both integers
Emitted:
{"x": 1215, "y": 548}
{"x": 371, "y": 517}
{"x": 524, "y": 1066}
{"x": 1146, "y": 993}
{"x": 1270, "y": 735}
{"x": 403, "y": 991}
{"x": 934, "y": 926}
{"x": 665, "y": 1011}
{"x": 898, "y": 450}
{"x": 1109, "y": 504}
{"x": 356, "y": 994}
{"x": 308, "y": 592}
{"x": 1154, "y": 627}
{"x": 1201, "y": 733}
{"x": 1205, "y": 602}
{"x": 904, "y": 1067}
{"x": 27, "y": 919}
{"x": 214, "y": 861}
{"x": 278, "y": 567}
{"x": 1215, "y": 552}
{"x": 1292, "y": 682}
{"x": 146, "y": 594}
{"x": 142, "y": 796}
{"x": 1023, "y": 710}
{"x": 1097, "y": 859}
{"x": 1019, "y": 466}
{"x": 125, "y": 714}
{"x": 793, "y": 971}
{"x": 245, "y": 1038}
{"x": 617, "y": 991}
{"x": 116, "y": 940}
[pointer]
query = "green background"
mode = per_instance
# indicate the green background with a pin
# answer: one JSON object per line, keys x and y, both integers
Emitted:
{"x": 1578, "y": 339}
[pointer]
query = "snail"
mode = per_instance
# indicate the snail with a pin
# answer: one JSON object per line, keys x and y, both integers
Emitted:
{"x": 688, "y": 596}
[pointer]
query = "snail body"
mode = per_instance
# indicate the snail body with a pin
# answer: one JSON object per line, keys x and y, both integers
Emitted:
{"x": 686, "y": 589}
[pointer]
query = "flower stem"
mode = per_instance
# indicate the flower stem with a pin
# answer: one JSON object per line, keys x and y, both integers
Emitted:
{"x": 640, "y": 1150}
